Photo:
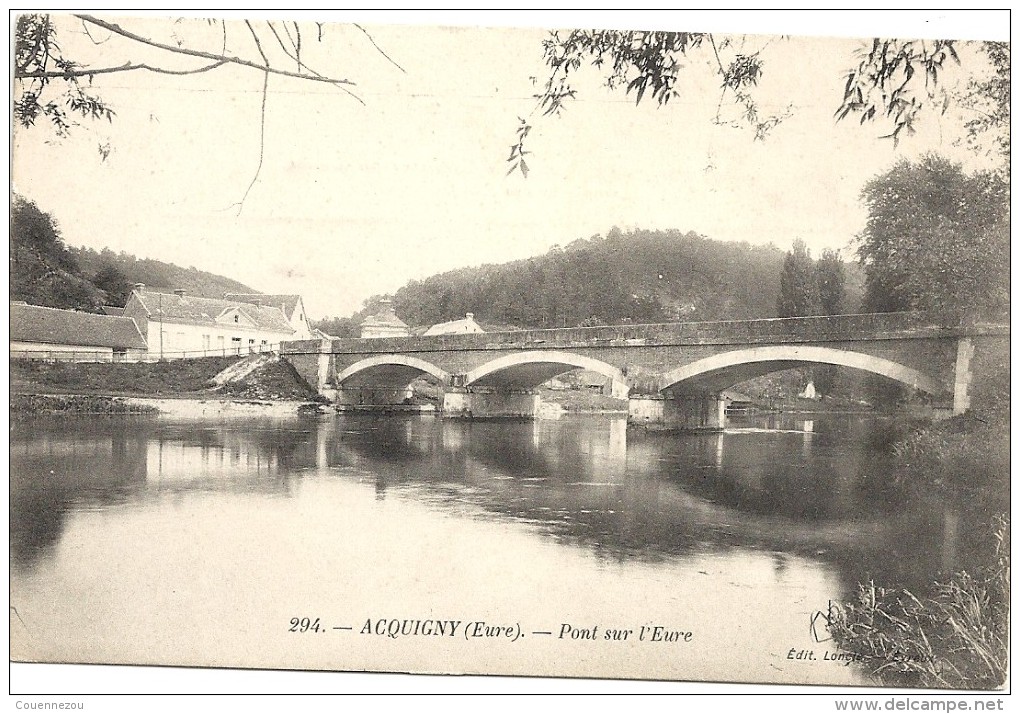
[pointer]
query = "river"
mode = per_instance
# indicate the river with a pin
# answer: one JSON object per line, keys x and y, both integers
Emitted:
{"x": 381, "y": 542}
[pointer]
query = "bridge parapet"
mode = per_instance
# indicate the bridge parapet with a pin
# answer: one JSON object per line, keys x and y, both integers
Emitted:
{"x": 873, "y": 326}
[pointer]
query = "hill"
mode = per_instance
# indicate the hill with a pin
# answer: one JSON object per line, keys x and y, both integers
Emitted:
{"x": 637, "y": 276}
{"x": 46, "y": 272}
{"x": 158, "y": 275}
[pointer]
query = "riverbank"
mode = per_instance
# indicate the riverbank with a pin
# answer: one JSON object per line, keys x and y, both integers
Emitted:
{"x": 180, "y": 389}
{"x": 181, "y": 407}
{"x": 192, "y": 379}
{"x": 31, "y": 404}
{"x": 956, "y": 634}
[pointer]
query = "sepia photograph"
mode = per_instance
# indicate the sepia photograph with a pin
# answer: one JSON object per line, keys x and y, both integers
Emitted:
{"x": 571, "y": 351}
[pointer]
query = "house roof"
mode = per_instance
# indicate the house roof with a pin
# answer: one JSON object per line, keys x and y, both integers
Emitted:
{"x": 287, "y": 303}
{"x": 33, "y": 323}
{"x": 111, "y": 310}
{"x": 464, "y": 324}
{"x": 193, "y": 310}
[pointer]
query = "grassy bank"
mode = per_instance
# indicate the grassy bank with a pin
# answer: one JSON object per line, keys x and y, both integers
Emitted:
{"x": 172, "y": 378}
{"x": 956, "y": 634}
{"x": 955, "y": 637}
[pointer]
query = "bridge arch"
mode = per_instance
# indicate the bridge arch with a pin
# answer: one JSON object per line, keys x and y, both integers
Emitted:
{"x": 390, "y": 370}
{"x": 527, "y": 370}
{"x": 715, "y": 373}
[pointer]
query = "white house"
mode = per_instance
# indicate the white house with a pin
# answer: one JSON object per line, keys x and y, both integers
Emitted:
{"x": 176, "y": 324}
{"x": 465, "y": 325}
{"x": 292, "y": 306}
{"x": 384, "y": 323}
{"x": 51, "y": 334}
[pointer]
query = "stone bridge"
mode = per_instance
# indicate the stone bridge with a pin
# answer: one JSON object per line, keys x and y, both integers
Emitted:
{"x": 672, "y": 374}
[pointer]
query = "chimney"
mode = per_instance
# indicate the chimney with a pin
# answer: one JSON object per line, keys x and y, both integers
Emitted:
{"x": 179, "y": 292}
{"x": 470, "y": 316}
{"x": 140, "y": 287}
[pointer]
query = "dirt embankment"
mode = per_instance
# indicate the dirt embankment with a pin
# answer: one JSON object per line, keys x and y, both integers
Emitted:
{"x": 159, "y": 387}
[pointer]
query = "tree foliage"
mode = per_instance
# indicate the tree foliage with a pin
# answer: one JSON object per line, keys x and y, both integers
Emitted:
{"x": 988, "y": 99}
{"x": 39, "y": 62}
{"x": 892, "y": 81}
{"x": 898, "y": 80}
{"x": 798, "y": 284}
{"x": 156, "y": 274}
{"x": 638, "y": 276}
{"x": 338, "y": 326}
{"x": 647, "y": 62}
{"x": 935, "y": 238}
{"x": 114, "y": 285}
{"x": 43, "y": 270}
{"x": 55, "y": 86}
{"x": 52, "y": 85}
{"x": 830, "y": 275}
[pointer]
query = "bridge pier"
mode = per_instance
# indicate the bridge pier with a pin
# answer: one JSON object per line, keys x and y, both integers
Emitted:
{"x": 476, "y": 403}
{"x": 677, "y": 413}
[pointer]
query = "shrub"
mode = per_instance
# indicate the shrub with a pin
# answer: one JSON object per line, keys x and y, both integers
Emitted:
{"x": 956, "y": 637}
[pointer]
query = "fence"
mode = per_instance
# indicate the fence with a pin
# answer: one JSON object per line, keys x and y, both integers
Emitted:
{"x": 85, "y": 356}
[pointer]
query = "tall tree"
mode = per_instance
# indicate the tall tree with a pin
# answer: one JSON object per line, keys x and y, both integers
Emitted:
{"x": 798, "y": 285}
{"x": 831, "y": 276}
{"x": 935, "y": 238}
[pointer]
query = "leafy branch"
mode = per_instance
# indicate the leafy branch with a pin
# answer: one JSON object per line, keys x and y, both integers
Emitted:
{"x": 884, "y": 82}
{"x": 894, "y": 80}
{"x": 41, "y": 65}
{"x": 644, "y": 63}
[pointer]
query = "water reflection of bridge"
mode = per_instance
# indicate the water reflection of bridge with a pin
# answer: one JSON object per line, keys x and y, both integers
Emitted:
{"x": 586, "y": 482}
{"x": 648, "y": 495}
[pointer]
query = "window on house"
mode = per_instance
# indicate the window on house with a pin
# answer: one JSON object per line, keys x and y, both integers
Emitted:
{"x": 236, "y": 318}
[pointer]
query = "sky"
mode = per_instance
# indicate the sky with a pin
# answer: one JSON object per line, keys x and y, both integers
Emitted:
{"x": 356, "y": 198}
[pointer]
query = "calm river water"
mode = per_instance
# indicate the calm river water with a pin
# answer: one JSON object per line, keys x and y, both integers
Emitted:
{"x": 149, "y": 540}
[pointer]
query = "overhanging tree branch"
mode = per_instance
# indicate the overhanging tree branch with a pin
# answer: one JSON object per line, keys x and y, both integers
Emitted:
{"x": 227, "y": 59}
{"x": 262, "y": 143}
{"x": 372, "y": 40}
{"x": 126, "y": 67}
